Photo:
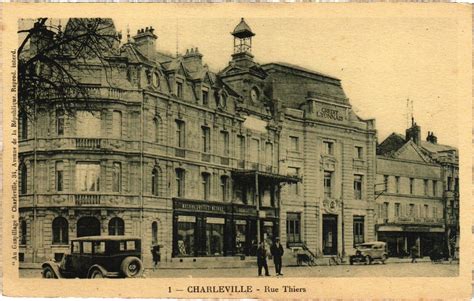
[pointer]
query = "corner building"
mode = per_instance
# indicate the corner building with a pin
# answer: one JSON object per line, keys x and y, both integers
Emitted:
{"x": 202, "y": 163}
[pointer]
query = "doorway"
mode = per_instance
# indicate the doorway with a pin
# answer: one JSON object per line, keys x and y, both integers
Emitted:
{"x": 88, "y": 226}
{"x": 329, "y": 234}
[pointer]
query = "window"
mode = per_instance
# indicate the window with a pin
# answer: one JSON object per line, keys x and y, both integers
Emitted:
{"x": 23, "y": 126}
{"x": 435, "y": 188}
{"x": 60, "y": 231}
{"x": 456, "y": 184}
{"x": 435, "y": 212}
{"x": 185, "y": 236}
{"x": 293, "y": 227}
{"x": 214, "y": 236}
{"x": 225, "y": 188}
{"x": 328, "y": 148}
{"x": 206, "y": 185}
{"x": 88, "y": 124}
{"x": 397, "y": 184}
{"x": 116, "y": 226}
{"x": 385, "y": 182}
{"x": 23, "y": 179}
{"x": 412, "y": 182}
{"x": 449, "y": 185}
{"x": 269, "y": 154}
{"x": 154, "y": 233}
{"x": 327, "y": 184}
{"x": 179, "y": 89}
{"x": 358, "y": 230}
{"x": 180, "y": 184}
{"x": 117, "y": 124}
{"x": 59, "y": 176}
{"x": 225, "y": 143}
{"x": 155, "y": 174}
{"x": 412, "y": 210}
{"x": 426, "y": 211}
{"x": 241, "y": 147}
{"x": 205, "y": 98}
{"x": 358, "y": 187}
{"x": 385, "y": 210}
{"x": 397, "y": 209}
{"x": 206, "y": 139}
{"x": 294, "y": 187}
{"x": 23, "y": 232}
{"x": 87, "y": 176}
{"x": 425, "y": 187}
{"x": 180, "y": 134}
{"x": 60, "y": 122}
{"x": 157, "y": 126}
{"x": 358, "y": 152}
{"x": 117, "y": 177}
{"x": 254, "y": 150}
{"x": 294, "y": 144}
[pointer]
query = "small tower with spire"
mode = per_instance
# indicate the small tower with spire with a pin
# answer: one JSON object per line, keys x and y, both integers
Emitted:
{"x": 243, "y": 44}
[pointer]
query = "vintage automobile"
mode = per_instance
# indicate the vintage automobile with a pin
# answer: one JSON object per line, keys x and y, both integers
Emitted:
{"x": 98, "y": 257}
{"x": 369, "y": 252}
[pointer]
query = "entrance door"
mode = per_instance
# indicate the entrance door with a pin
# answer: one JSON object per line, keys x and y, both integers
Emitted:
{"x": 329, "y": 234}
{"x": 88, "y": 226}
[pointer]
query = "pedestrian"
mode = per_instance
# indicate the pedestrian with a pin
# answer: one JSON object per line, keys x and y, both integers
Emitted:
{"x": 277, "y": 252}
{"x": 155, "y": 252}
{"x": 414, "y": 254}
{"x": 262, "y": 259}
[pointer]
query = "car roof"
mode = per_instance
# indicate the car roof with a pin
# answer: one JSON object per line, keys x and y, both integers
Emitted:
{"x": 106, "y": 237}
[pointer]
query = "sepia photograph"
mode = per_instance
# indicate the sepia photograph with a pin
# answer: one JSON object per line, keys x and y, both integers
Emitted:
{"x": 238, "y": 145}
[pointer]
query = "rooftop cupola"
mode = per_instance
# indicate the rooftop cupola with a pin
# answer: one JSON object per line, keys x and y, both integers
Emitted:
{"x": 243, "y": 44}
{"x": 146, "y": 41}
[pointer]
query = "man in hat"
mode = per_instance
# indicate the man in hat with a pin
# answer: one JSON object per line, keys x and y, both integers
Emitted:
{"x": 277, "y": 252}
{"x": 262, "y": 259}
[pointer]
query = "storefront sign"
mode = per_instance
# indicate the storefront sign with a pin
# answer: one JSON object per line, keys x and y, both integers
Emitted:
{"x": 262, "y": 214}
{"x": 267, "y": 223}
{"x": 186, "y": 219}
{"x": 249, "y": 211}
{"x": 198, "y": 207}
{"x": 215, "y": 220}
{"x": 240, "y": 222}
{"x": 417, "y": 229}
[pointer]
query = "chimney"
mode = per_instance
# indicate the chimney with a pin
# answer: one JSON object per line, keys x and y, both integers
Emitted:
{"x": 40, "y": 38}
{"x": 413, "y": 133}
{"x": 432, "y": 138}
{"x": 146, "y": 41}
{"x": 193, "y": 59}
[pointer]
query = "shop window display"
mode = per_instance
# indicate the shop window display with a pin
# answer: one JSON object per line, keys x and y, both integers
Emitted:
{"x": 185, "y": 238}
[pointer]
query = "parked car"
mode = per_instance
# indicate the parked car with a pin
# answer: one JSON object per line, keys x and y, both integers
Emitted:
{"x": 98, "y": 257}
{"x": 369, "y": 252}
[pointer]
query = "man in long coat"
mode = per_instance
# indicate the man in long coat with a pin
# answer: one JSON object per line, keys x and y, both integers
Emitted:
{"x": 277, "y": 252}
{"x": 262, "y": 259}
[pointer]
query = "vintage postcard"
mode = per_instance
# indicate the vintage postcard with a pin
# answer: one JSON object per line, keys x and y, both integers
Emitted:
{"x": 237, "y": 151}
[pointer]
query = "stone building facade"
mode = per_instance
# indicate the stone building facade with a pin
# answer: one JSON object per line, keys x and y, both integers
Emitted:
{"x": 413, "y": 194}
{"x": 202, "y": 163}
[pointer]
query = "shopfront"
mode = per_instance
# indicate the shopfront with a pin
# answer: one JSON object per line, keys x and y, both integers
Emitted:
{"x": 401, "y": 239}
{"x": 220, "y": 229}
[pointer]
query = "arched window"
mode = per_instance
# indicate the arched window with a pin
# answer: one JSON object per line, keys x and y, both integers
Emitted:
{"x": 23, "y": 179}
{"x": 154, "y": 233}
{"x": 116, "y": 226}
{"x": 155, "y": 181}
{"x": 88, "y": 226}
{"x": 23, "y": 126}
{"x": 23, "y": 232}
{"x": 60, "y": 231}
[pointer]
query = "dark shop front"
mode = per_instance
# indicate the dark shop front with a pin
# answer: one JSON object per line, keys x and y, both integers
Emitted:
{"x": 219, "y": 229}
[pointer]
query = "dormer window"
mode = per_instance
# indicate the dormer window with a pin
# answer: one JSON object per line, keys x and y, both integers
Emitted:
{"x": 155, "y": 79}
{"x": 179, "y": 89}
{"x": 205, "y": 98}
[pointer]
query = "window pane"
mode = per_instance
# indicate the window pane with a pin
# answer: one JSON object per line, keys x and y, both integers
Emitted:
{"x": 88, "y": 124}
{"x": 87, "y": 176}
{"x": 185, "y": 238}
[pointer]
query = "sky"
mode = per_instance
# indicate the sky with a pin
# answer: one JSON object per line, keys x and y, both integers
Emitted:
{"x": 381, "y": 62}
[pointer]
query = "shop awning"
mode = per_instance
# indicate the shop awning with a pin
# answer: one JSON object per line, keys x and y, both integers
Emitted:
{"x": 249, "y": 175}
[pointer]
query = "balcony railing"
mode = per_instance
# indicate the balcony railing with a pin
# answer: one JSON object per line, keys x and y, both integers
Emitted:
{"x": 179, "y": 152}
{"x": 88, "y": 143}
{"x": 205, "y": 157}
{"x": 87, "y": 199}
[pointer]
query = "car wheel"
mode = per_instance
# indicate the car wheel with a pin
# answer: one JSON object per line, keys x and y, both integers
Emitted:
{"x": 96, "y": 273}
{"x": 131, "y": 267}
{"x": 368, "y": 260}
{"x": 384, "y": 258}
{"x": 49, "y": 273}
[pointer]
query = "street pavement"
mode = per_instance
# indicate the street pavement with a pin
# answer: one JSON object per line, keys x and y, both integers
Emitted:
{"x": 421, "y": 269}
